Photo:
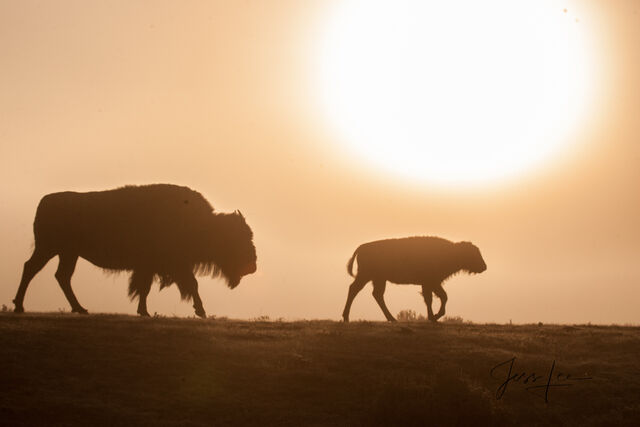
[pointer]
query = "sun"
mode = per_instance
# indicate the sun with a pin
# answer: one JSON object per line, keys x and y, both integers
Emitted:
{"x": 455, "y": 93}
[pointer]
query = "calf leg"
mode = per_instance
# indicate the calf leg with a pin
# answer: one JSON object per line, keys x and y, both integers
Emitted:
{"x": 378, "y": 293}
{"x": 355, "y": 287}
{"x": 428, "y": 299}
{"x": 38, "y": 259}
{"x": 66, "y": 266}
{"x": 189, "y": 286}
{"x": 440, "y": 293}
{"x": 140, "y": 284}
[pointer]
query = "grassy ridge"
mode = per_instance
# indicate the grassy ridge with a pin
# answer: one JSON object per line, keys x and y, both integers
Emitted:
{"x": 108, "y": 369}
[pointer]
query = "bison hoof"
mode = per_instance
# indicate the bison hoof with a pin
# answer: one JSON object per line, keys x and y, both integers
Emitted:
{"x": 200, "y": 313}
{"x": 80, "y": 310}
{"x": 144, "y": 313}
{"x": 18, "y": 309}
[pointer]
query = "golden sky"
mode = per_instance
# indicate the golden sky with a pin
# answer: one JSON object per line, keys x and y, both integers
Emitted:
{"x": 222, "y": 96}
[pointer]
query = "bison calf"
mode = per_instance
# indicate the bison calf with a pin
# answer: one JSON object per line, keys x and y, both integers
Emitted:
{"x": 155, "y": 231}
{"x": 426, "y": 261}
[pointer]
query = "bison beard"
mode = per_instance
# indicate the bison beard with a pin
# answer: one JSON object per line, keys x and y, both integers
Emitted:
{"x": 427, "y": 261}
{"x": 158, "y": 232}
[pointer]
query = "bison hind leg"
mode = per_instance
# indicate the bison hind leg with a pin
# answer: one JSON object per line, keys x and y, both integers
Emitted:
{"x": 355, "y": 287}
{"x": 38, "y": 260}
{"x": 378, "y": 293}
{"x": 66, "y": 267}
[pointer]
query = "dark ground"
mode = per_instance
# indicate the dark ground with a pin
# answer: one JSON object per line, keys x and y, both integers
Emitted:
{"x": 64, "y": 369}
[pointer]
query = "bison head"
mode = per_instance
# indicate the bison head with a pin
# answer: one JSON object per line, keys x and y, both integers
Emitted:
{"x": 232, "y": 247}
{"x": 470, "y": 258}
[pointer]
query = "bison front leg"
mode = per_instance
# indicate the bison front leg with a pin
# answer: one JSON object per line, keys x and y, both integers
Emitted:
{"x": 189, "y": 286}
{"x": 440, "y": 293}
{"x": 428, "y": 299}
{"x": 197, "y": 305}
{"x": 140, "y": 285}
{"x": 378, "y": 293}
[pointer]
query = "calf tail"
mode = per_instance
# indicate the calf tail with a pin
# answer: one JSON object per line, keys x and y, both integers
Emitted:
{"x": 350, "y": 263}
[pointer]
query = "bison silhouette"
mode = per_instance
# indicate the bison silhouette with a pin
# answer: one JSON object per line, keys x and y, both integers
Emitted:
{"x": 158, "y": 231}
{"x": 426, "y": 261}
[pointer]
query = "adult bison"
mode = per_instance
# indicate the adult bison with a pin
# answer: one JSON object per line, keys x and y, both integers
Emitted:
{"x": 155, "y": 231}
{"x": 427, "y": 261}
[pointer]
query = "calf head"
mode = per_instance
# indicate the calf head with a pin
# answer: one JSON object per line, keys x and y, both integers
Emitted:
{"x": 470, "y": 258}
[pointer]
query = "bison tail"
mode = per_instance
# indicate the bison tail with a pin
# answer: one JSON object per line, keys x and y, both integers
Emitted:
{"x": 350, "y": 264}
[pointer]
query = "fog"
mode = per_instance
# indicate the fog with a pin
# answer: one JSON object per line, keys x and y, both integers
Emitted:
{"x": 219, "y": 96}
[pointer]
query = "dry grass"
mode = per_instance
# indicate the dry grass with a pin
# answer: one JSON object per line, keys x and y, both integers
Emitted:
{"x": 64, "y": 369}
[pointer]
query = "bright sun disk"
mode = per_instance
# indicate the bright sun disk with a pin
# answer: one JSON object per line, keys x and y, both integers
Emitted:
{"x": 455, "y": 93}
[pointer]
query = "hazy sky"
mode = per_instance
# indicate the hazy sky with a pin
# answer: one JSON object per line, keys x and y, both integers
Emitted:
{"x": 222, "y": 96}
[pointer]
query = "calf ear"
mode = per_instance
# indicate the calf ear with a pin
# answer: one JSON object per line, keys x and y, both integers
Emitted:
{"x": 240, "y": 213}
{"x": 464, "y": 247}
